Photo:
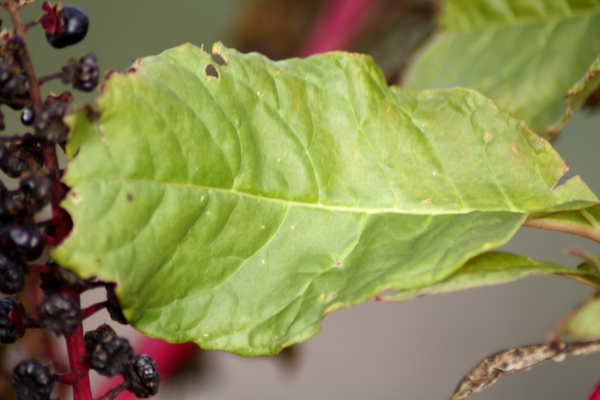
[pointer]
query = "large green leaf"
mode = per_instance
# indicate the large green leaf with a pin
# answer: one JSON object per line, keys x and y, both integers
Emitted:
{"x": 235, "y": 211}
{"x": 526, "y": 55}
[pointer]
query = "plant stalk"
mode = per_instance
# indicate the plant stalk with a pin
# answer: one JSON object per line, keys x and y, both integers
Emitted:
{"x": 75, "y": 345}
{"x": 77, "y": 354}
{"x": 338, "y": 26}
{"x": 564, "y": 226}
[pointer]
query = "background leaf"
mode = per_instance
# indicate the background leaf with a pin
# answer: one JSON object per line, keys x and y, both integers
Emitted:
{"x": 494, "y": 268}
{"x": 524, "y": 55}
{"x": 235, "y": 211}
{"x": 585, "y": 322}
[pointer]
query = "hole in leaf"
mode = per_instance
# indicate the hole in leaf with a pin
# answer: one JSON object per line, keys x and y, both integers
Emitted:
{"x": 211, "y": 71}
{"x": 218, "y": 59}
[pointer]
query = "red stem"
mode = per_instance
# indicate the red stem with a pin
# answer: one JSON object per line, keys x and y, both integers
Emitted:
{"x": 595, "y": 395}
{"x": 68, "y": 379}
{"x": 77, "y": 356}
{"x": 37, "y": 269}
{"x": 93, "y": 309}
{"x": 338, "y": 26}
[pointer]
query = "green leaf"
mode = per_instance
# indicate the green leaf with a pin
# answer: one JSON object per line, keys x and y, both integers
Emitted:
{"x": 584, "y": 324}
{"x": 236, "y": 211}
{"x": 494, "y": 268}
{"x": 579, "y": 93}
{"x": 523, "y": 54}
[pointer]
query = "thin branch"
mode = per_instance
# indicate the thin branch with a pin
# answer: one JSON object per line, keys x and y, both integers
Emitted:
{"x": 93, "y": 309}
{"x": 20, "y": 28}
{"x": 67, "y": 379}
{"x": 50, "y": 77}
{"x": 564, "y": 226}
{"x": 112, "y": 394}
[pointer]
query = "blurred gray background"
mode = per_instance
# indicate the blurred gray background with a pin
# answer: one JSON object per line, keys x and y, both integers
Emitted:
{"x": 410, "y": 351}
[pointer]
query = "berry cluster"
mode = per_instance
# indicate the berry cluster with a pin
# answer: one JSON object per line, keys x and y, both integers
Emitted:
{"x": 60, "y": 313}
{"x": 31, "y": 158}
{"x": 111, "y": 355}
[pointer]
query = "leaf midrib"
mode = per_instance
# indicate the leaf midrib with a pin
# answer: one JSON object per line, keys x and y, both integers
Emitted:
{"x": 293, "y": 203}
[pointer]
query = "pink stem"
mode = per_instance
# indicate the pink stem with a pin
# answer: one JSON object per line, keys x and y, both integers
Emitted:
{"x": 338, "y": 26}
{"x": 595, "y": 395}
{"x": 93, "y": 309}
{"x": 169, "y": 359}
{"x": 77, "y": 353}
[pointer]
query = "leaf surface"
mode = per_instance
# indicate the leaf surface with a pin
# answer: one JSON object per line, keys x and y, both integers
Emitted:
{"x": 532, "y": 57}
{"x": 235, "y": 211}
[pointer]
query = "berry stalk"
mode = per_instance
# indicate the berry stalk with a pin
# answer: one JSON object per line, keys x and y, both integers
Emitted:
{"x": 13, "y": 8}
{"x": 77, "y": 356}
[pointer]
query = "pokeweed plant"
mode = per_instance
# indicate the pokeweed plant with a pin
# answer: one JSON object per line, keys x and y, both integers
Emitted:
{"x": 233, "y": 201}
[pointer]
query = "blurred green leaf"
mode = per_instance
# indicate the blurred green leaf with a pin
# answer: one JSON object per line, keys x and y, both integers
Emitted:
{"x": 585, "y": 322}
{"x": 494, "y": 268}
{"x": 526, "y": 55}
{"x": 235, "y": 211}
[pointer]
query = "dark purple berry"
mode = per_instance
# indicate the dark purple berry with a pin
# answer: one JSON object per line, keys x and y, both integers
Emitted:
{"x": 103, "y": 333}
{"x": 56, "y": 277}
{"x": 86, "y": 74}
{"x": 14, "y": 88}
{"x": 22, "y": 240}
{"x": 111, "y": 355}
{"x": 20, "y": 156}
{"x": 11, "y": 164}
{"x": 13, "y": 50}
{"x": 12, "y": 275}
{"x": 28, "y": 116}
{"x": 49, "y": 124}
{"x": 9, "y": 331}
{"x": 64, "y": 27}
{"x": 114, "y": 306}
{"x": 59, "y": 314}
{"x": 12, "y": 84}
{"x": 70, "y": 279}
{"x": 36, "y": 187}
{"x": 33, "y": 381}
{"x": 143, "y": 376}
{"x": 50, "y": 284}
{"x": 16, "y": 205}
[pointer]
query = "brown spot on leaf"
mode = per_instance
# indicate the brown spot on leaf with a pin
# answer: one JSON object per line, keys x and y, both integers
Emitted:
{"x": 136, "y": 64}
